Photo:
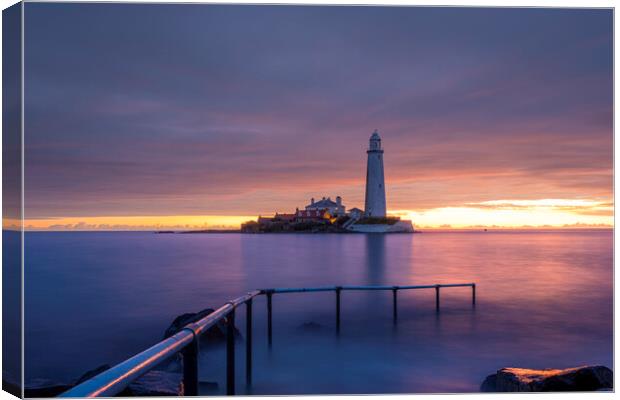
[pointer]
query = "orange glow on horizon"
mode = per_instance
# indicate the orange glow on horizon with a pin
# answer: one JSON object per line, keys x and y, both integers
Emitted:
{"x": 542, "y": 213}
{"x": 510, "y": 214}
{"x": 136, "y": 223}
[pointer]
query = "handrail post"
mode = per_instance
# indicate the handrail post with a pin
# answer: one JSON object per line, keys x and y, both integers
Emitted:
{"x": 230, "y": 353}
{"x": 473, "y": 294}
{"x": 338, "y": 290}
{"x": 190, "y": 368}
{"x": 269, "y": 318}
{"x": 248, "y": 341}
{"x": 437, "y": 297}
{"x": 395, "y": 304}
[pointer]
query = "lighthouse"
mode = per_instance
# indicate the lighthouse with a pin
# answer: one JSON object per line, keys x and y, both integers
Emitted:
{"x": 375, "y": 182}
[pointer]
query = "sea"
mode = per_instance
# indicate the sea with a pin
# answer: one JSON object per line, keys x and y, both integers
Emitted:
{"x": 544, "y": 300}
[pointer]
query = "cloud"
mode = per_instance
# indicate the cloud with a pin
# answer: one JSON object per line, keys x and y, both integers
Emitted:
{"x": 241, "y": 110}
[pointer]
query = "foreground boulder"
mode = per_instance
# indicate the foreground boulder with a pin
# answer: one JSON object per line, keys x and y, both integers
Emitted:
{"x": 215, "y": 335}
{"x": 310, "y": 327}
{"x": 155, "y": 383}
{"x": 92, "y": 373}
{"x": 44, "y": 388}
{"x": 586, "y": 378}
{"x": 165, "y": 380}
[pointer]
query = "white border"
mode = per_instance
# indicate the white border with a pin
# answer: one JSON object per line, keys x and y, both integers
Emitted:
{"x": 477, "y": 3}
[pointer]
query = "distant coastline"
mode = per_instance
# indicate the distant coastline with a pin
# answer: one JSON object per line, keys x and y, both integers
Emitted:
{"x": 236, "y": 230}
{"x": 426, "y": 230}
{"x": 223, "y": 231}
{"x": 202, "y": 231}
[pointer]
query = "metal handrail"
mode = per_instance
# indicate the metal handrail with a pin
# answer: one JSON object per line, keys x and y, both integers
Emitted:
{"x": 116, "y": 379}
{"x": 334, "y": 288}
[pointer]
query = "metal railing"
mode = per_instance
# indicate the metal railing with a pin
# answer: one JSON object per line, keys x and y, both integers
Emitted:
{"x": 116, "y": 379}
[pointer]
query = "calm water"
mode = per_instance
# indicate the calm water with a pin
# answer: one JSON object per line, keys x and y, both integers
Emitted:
{"x": 544, "y": 300}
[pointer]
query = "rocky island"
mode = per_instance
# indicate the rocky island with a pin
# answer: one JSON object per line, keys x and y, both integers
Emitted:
{"x": 330, "y": 216}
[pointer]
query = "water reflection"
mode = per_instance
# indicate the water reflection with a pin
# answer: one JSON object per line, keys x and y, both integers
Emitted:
{"x": 11, "y": 310}
{"x": 529, "y": 324}
{"x": 375, "y": 258}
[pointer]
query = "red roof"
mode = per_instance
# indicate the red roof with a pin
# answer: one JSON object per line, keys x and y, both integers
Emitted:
{"x": 285, "y": 216}
{"x": 320, "y": 214}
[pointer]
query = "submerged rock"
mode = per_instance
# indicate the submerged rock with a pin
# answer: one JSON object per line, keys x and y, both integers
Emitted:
{"x": 155, "y": 383}
{"x": 489, "y": 384}
{"x": 45, "y": 388}
{"x": 585, "y": 378}
{"x": 92, "y": 373}
{"x": 310, "y": 327}
{"x": 215, "y": 335}
{"x": 165, "y": 380}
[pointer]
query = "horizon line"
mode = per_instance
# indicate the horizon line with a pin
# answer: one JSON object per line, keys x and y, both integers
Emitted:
{"x": 232, "y": 229}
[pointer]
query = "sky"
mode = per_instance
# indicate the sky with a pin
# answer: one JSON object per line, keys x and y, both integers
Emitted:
{"x": 141, "y": 116}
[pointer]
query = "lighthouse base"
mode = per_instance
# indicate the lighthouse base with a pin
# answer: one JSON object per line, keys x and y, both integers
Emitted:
{"x": 402, "y": 226}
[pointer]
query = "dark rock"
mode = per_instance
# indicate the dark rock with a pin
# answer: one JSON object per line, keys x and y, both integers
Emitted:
{"x": 174, "y": 364}
{"x": 310, "y": 327}
{"x": 166, "y": 380}
{"x": 215, "y": 335}
{"x": 48, "y": 390}
{"x": 582, "y": 379}
{"x": 489, "y": 384}
{"x": 45, "y": 388}
{"x": 155, "y": 383}
{"x": 587, "y": 378}
{"x": 92, "y": 373}
{"x": 184, "y": 319}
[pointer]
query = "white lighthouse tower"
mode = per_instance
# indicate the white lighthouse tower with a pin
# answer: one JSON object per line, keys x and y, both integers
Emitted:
{"x": 375, "y": 182}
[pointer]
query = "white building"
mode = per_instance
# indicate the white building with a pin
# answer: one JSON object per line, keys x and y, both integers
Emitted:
{"x": 335, "y": 208}
{"x": 355, "y": 213}
{"x": 375, "y": 181}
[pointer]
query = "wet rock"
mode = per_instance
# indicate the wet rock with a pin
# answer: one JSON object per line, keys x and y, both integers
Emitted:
{"x": 310, "y": 327}
{"x": 586, "y": 378}
{"x": 166, "y": 380}
{"x": 92, "y": 373}
{"x": 155, "y": 383}
{"x": 215, "y": 335}
{"x": 489, "y": 384}
{"x": 174, "y": 364}
{"x": 45, "y": 388}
